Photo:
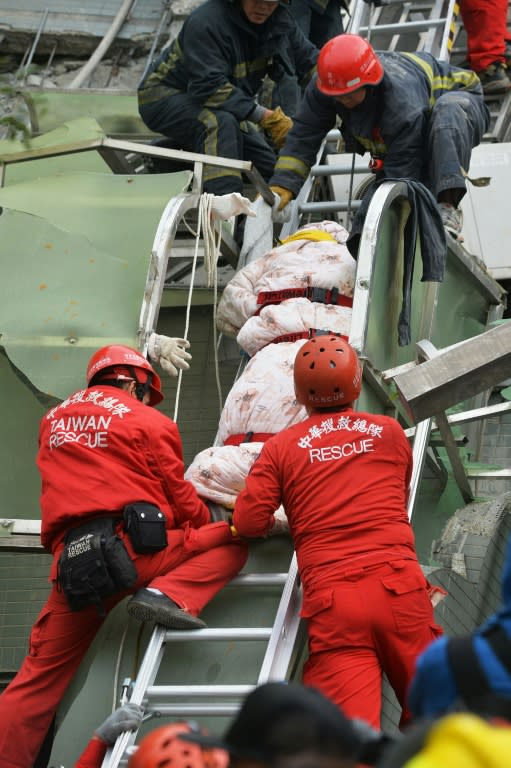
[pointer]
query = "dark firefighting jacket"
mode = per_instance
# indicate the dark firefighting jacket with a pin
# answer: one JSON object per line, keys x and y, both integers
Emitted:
{"x": 391, "y": 122}
{"x": 220, "y": 59}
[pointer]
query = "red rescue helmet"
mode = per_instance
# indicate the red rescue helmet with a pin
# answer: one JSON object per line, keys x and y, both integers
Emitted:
{"x": 162, "y": 748}
{"x": 327, "y": 372}
{"x": 347, "y": 63}
{"x": 119, "y": 363}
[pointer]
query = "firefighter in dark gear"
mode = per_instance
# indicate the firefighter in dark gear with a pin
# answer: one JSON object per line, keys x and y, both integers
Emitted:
{"x": 419, "y": 115}
{"x": 319, "y": 20}
{"x": 342, "y": 477}
{"x": 104, "y": 452}
{"x": 202, "y": 91}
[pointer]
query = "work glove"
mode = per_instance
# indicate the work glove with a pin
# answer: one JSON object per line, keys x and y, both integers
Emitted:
{"x": 126, "y": 718}
{"x": 280, "y": 211}
{"x": 169, "y": 352}
{"x": 281, "y": 525}
{"x": 278, "y": 125}
{"x": 285, "y": 196}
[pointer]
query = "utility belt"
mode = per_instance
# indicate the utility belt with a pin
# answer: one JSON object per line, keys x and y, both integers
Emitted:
{"x": 95, "y": 563}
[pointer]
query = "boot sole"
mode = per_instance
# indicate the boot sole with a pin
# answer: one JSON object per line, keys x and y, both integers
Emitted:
{"x": 167, "y": 618}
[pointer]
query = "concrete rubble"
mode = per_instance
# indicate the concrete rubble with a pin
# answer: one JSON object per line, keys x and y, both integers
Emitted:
{"x": 62, "y": 45}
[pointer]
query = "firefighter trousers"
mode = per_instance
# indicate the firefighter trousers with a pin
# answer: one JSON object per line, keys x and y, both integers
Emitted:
{"x": 457, "y": 123}
{"x": 370, "y": 621}
{"x": 60, "y": 637}
{"x": 211, "y": 132}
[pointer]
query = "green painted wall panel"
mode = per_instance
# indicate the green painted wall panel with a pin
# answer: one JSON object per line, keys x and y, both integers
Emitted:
{"x": 117, "y": 114}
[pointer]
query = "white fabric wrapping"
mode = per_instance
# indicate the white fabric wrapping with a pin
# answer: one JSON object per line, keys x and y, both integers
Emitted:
{"x": 298, "y": 264}
{"x": 219, "y": 473}
{"x": 292, "y": 316}
{"x": 263, "y": 398}
{"x": 258, "y": 234}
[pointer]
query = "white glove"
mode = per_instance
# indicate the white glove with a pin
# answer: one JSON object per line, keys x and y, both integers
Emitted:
{"x": 233, "y": 204}
{"x": 283, "y": 215}
{"x": 169, "y": 352}
{"x": 126, "y": 718}
{"x": 281, "y": 525}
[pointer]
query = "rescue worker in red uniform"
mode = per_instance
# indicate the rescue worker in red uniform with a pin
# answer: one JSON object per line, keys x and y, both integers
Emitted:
{"x": 100, "y": 451}
{"x": 342, "y": 477}
{"x": 488, "y": 42}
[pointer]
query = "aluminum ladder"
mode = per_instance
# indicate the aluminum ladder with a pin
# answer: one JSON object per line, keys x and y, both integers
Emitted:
{"x": 185, "y": 701}
{"x": 408, "y": 25}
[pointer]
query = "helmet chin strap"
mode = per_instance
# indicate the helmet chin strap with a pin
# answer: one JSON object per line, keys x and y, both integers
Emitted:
{"x": 141, "y": 390}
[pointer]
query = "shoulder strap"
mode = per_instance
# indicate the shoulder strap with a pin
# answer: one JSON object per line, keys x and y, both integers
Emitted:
{"x": 468, "y": 674}
{"x": 500, "y": 643}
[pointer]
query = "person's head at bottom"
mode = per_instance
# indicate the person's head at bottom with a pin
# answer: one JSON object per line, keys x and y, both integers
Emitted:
{"x": 287, "y": 725}
{"x": 165, "y": 748}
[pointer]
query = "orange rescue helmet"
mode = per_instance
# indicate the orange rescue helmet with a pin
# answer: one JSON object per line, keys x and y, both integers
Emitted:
{"x": 347, "y": 63}
{"x": 327, "y": 372}
{"x": 163, "y": 747}
{"x": 117, "y": 362}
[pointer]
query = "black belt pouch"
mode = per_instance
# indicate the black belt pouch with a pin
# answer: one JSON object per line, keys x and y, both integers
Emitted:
{"x": 94, "y": 564}
{"x": 145, "y": 524}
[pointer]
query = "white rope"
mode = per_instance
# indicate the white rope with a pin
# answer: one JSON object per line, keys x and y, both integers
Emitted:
{"x": 212, "y": 239}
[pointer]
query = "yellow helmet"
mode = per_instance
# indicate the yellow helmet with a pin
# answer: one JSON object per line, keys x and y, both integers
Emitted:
{"x": 467, "y": 741}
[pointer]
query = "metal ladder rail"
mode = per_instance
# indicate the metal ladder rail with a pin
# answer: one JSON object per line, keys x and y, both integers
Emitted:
{"x": 434, "y": 25}
{"x": 280, "y": 640}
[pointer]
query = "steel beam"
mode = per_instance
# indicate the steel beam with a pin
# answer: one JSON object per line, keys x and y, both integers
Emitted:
{"x": 456, "y": 373}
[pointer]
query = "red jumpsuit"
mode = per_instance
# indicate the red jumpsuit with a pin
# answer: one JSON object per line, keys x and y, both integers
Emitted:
{"x": 342, "y": 478}
{"x": 98, "y": 451}
{"x": 485, "y": 23}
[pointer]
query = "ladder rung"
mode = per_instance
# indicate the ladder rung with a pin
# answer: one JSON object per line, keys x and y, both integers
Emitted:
{"x": 405, "y": 26}
{"x": 181, "y": 710}
{"x": 330, "y": 205}
{"x": 495, "y": 474}
{"x": 258, "y": 580}
{"x": 337, "y": 170}
{"x": 198, "y": 691}
{"x": 219, "y": 633}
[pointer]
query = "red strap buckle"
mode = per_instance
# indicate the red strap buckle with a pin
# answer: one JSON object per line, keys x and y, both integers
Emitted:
{"x": 310, "y": 334}
{"x": 319, "y": 295}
